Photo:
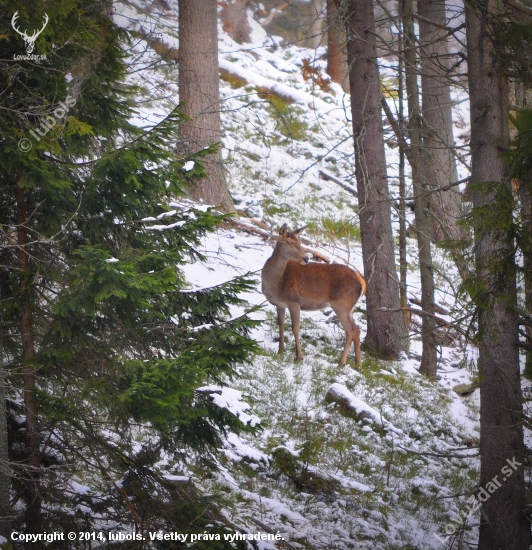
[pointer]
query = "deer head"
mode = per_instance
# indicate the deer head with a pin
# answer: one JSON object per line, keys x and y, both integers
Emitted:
{"x": 289, "y": 245}
{"x": 29, "y": 40}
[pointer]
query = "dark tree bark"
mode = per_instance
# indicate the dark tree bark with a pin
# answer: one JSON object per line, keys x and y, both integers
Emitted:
{"x": 523, "y": 99}
{"x": 234, "y": 20}
{"x": 386, "y": 334}
{"x": 503, "y": 523}
{"x": 438, "y": 138}
{"x": 5, "y": 474}
{"x": 200, "y": 94}
{"x": 403, "y": 263}
{"x": 33, "y": 513}
{"x": 418, "y": 163}
{"x": 336, "y": 46}
{"x": 525, "y": 192}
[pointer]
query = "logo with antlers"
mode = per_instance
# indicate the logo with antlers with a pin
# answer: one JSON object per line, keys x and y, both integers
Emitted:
{"x": 29, "y": 40}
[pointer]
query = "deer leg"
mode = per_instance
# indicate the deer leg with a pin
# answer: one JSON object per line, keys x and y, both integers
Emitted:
{"x": 356, "y": 340}
{"x": 294, "y": 316}
{"x": 352, "y": 334}
{"x": 280, "y": 320}
{"x": 347, "y": 347}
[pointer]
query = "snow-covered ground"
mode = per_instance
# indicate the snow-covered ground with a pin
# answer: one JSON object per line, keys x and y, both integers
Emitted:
{"x": 320, "y": 478}
{"x": 370, "y": 484}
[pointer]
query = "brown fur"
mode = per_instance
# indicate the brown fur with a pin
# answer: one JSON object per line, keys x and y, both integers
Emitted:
{"x": 289, "y": 281}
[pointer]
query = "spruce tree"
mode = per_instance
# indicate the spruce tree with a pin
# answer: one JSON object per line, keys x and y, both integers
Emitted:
{"x": 515, "y": 41}
{"x": 105, "y": 352}
{"x": 493, "y": 287}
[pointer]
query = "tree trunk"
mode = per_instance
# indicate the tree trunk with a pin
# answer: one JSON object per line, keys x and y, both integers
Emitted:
{"x": 199, "y": 94}
{"x": 438, "y": 140}
{"x": 503, "y": 523}
{"x": 525, "y": 192}
{"x": 418, "y": 164}
{"x": 386, "y": 334}
{"x": 234, "y": 20}
{"x": 33, "y": 517}
{"x": 5, "y": 474}
{"x": 523, "y": 99}
{"x": 403, "y": 262}
{"x": 336, "y": 44}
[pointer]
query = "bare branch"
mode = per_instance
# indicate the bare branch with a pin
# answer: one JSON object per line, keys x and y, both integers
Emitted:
{"x": 519, "y": 6}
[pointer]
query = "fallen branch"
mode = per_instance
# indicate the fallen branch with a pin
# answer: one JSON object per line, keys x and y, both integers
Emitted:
{"x": 164, "y": 50}
{"x": 437, "y": 308}
{"x": 346, "y": 407}
{"x": 317, "y": 255}
{"x": 457, "y": 495}
{"x": 438, "y": 455}
{"x": 266, "y": 89}
{"x": 167, "y": 52}
{"x": 329, "y": 177}
{"x": 247, "y": 227}
{"x": 232, "y": 78}
{"x": 439, "y": 321}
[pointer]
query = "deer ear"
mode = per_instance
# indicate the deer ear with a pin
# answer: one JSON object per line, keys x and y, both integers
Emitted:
{"x": 283, "y": 230}
{"x": 298, "y": 231}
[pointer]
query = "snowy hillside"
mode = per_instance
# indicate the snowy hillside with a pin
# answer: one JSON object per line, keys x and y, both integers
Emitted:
{"x": 376, "y": 474}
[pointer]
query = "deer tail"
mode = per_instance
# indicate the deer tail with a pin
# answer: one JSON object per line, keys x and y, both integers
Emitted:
{"x": 362, "y": 284}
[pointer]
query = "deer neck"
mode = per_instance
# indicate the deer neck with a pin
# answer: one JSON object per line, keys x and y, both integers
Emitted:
{"x": 272, "y": 272}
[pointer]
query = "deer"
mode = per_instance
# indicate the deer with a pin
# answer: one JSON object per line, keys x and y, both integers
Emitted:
{"x": 290, "y": 281}
{"x": 29, "y": 40}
